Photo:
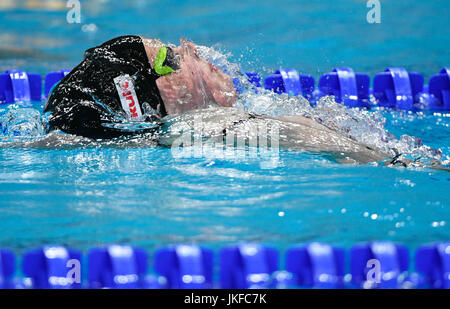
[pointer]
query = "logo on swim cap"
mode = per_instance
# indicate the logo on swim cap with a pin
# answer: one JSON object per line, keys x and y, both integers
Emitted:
{"x": 128, "y": 98}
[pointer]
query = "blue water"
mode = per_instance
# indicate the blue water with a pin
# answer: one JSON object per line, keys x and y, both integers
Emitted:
{"x": 85, "y": 197}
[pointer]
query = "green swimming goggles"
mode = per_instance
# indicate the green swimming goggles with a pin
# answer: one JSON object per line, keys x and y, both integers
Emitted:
{"x": 166, "y": 62}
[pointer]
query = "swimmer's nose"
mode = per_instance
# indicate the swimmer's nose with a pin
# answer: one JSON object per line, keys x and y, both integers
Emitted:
{"x": 191, "y": 47}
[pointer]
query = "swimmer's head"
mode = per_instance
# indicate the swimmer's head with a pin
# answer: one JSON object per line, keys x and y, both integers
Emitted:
{"x": 195, "y": 83}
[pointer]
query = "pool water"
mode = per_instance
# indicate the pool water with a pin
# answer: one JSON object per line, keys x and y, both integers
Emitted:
{"x": 87, "y": 196}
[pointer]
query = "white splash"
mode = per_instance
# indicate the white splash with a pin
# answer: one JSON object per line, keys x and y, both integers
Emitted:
{"x": 367, "y": 127}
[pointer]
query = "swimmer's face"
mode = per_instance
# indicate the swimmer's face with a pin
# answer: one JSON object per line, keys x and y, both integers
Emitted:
{"x": 196, "y": 84}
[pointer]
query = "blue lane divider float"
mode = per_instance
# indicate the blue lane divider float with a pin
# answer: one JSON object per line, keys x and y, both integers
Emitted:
{"x": 433, "y": 263}
{"x": 51, "y": 79}
{"x": 396, "y": 88}
{"x": 185, "y": 267}
{"x": 247, "y": 266}
{"x": 117, "y": 266}
{"x": 393, "y": 260}
{"x": 346, "y": 86}
{"x": 252, "y": 77}
{"x": 291, "y": 82}
{"x": 316, "y": 265}
{"x": 20, "y": 86}
{"x": 7, "y": 266}
{"x": 48, "y": 267}
{"x": 439, "y": 88}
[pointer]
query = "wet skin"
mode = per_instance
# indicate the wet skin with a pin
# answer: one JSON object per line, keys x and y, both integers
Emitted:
{"x": 199, "y": 89}
{"x": 196, "y": 84}
{"x": 199, "y": 84}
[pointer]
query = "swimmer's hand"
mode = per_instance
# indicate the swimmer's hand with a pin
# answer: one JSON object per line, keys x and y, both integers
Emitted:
{"x": 398, "y": 161}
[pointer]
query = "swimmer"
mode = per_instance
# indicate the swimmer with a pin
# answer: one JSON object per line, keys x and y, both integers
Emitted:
{"x": 131, "y": 79}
